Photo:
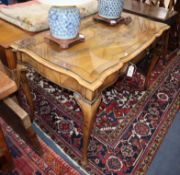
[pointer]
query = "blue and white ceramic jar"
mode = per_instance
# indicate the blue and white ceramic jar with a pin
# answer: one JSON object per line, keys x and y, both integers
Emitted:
{"x": 110, "y": 9}
{"x": 64, "y": 22}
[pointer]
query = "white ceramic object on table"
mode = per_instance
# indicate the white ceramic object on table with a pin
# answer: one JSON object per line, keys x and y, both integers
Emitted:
{"x": 110, "y": 9}
{"x": 64, "y": 3}
{"x": 64, "y": 18}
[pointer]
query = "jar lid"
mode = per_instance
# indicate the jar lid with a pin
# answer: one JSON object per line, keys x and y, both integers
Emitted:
{"x": 64, "y": 2}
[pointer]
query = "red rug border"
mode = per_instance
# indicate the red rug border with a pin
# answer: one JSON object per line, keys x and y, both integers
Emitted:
{"x": 148, "y": 158}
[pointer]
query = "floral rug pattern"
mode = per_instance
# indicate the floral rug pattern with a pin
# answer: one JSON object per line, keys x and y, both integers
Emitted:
{"x": 129, "y": 120}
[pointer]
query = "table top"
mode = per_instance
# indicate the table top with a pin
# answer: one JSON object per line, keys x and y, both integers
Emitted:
{"x": 105, "y": 50}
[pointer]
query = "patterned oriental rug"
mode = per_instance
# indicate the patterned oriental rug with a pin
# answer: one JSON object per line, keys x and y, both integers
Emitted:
{"x": 130, "y": 123}
{"x": 27, "y": 162}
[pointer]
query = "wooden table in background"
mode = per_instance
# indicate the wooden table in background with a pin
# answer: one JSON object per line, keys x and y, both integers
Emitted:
{"x": 9, "y": 34}
{"x": 160, "y": 14}
{"x": 90, "y": 67}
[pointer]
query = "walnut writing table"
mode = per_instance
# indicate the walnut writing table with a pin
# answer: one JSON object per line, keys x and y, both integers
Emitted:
{"x": 90, "y": 67}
